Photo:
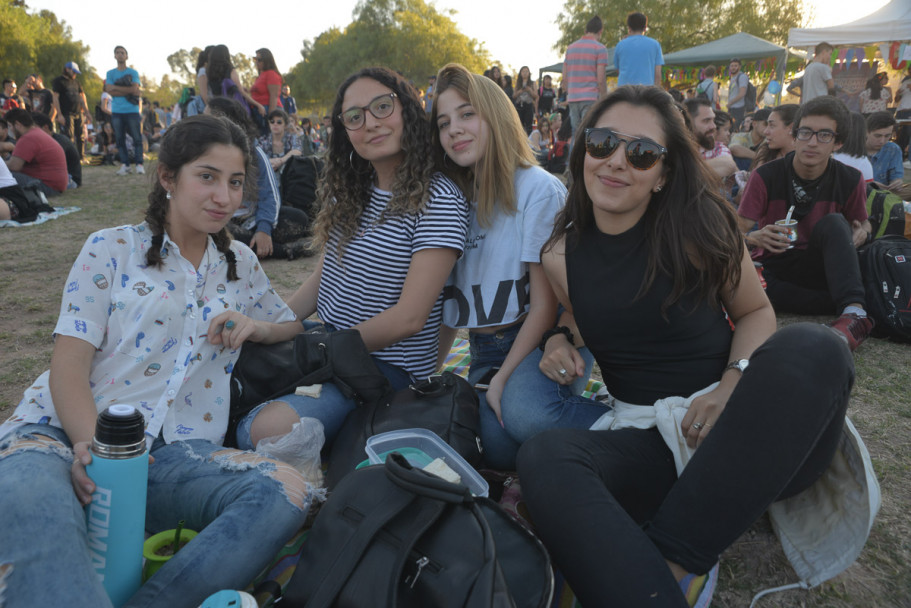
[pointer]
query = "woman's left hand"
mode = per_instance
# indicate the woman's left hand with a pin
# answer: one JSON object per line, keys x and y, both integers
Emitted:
{"x": 703, "y": 415}
{"x": 231, "y": 329}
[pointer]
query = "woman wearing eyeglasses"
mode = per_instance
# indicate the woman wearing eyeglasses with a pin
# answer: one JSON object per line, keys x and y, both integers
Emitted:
{"x": 650, "y": 265}
{"x": 391, "y": 230}
{"x": 281, "y": 143}
{"x": 497, "y": 290}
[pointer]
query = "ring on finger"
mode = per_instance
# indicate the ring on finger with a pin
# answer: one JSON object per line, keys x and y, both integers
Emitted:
{"x": 229, "y": 325}
{"x": 562, "y": 372}
{"x": 698, "y": 425}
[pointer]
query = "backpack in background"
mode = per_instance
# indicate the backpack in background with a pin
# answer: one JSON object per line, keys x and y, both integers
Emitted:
{"x": 885, "y": 265}
{"x": 299, "y": 181}
{"x": 749, "y": 100}
{"x": 887, "y": 215}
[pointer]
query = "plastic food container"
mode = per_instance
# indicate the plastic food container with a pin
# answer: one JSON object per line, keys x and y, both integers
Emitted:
{"x": 420, "y": 447}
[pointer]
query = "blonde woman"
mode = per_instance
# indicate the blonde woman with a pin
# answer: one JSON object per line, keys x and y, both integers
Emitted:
{"x": 497, "y": 290}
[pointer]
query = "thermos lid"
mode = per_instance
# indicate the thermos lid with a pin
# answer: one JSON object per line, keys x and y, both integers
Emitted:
{"x": 120, "y": 425}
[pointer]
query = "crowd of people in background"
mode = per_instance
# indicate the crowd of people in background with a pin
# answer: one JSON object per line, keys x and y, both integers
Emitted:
{"x": 653, "y": 230}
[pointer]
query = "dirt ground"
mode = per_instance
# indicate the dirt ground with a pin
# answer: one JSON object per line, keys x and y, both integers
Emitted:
{"x": 36, "y": 259}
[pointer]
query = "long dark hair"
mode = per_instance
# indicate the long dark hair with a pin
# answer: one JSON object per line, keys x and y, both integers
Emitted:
{"x": 346, "y": 189}
{"x": 876, "y": 87}
{"x": 218, "y": 67}
{"x": 268, "y": 61}
{"x": 692, "y": 232}
{"x": 855, "y": 142}
{"x": 183, "y": 143}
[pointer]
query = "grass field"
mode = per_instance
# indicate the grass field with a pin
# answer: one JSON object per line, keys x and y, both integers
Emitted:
{"x": 36, "y": 259}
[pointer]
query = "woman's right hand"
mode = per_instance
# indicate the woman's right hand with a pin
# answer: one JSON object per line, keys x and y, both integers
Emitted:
{"x": 82, "y": 483}
{"x": 561, "y": 356}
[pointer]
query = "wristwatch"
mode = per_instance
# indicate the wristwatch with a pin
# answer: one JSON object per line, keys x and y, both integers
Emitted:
{"x": 740, "y": 365}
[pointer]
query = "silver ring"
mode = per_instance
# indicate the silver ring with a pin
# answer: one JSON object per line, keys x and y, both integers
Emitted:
{"x": 562, "y": 372}
{"x": 698, "y": 425}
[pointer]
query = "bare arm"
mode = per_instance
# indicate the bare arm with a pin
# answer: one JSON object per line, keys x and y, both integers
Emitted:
{"x": 601, "y": 75}
{"x": 303, "y": 301}
{"x": 57, "y": 112}
{"x": 541, "y": 313}
{"x": 447, "y": 337}
{"x": 658, "y": 75}
{"x": 274, "y": 90}
{"x": 722, "y": 165}
{"x": 423, "y": 284}
{"x": 830, "y": 86}
{"x": 15, "y": 163}
{"x": 741, "y": 151}
{"x": 559, "y": 353}
{"x": 202, "y": 87}
{"x": 754, "y": 320}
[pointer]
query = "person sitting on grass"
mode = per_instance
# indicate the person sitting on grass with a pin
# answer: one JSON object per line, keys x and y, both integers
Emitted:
{"x": 270, "y": 229}
{"x": 715, "y": 415}
{"x": 815, "y": 271}
{"x": 154, "y": 315}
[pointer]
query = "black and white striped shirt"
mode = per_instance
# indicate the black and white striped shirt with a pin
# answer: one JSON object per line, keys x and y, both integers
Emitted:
{"x": 371, "y": 274}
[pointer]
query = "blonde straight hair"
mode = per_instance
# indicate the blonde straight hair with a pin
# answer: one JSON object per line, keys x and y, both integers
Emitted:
{"x": 490, "y": 182}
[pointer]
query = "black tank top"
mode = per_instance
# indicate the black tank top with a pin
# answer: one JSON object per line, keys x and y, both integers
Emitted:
{"x": 643, "y": 356}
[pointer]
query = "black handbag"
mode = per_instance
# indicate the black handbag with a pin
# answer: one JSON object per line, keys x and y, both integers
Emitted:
{"x": 266, "y": 371}
{"x": 395, "y": 536}
{"x": 445, "y": 404}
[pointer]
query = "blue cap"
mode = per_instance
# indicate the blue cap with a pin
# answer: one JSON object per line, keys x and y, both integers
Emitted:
{"x": 73, "y": 66}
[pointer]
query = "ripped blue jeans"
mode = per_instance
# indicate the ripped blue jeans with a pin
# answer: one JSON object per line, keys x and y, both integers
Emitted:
{"x": 245, "y": 507}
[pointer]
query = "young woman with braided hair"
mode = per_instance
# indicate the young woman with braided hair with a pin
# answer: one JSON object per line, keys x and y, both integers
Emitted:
{"x": 153, "y": 315}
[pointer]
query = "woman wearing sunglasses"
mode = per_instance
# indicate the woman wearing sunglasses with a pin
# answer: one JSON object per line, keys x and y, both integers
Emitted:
{"x": 649, "y": 263}
{"x": 281, "y": 143}
{"x": 498, "y": 290}
{"x": 391, "y": 230}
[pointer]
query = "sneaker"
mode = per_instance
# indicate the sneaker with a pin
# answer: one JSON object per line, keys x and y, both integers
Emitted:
{"x": 852, "y": 328}
{"x": 698, "y": 590}
{"x": 124, "y": 170}
{"x": 140, "y": 170}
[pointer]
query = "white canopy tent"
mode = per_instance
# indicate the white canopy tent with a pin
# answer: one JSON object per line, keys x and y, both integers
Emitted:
{"x": 891, "y": 22}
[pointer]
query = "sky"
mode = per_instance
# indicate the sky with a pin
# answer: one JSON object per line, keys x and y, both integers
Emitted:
{"x": 515, "y": 33}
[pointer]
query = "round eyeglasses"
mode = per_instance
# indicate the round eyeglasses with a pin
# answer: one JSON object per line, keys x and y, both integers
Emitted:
{"x": 381, "y": 107}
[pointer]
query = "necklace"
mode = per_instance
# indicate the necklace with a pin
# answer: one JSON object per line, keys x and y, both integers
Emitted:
{"x": 201, "y": 290}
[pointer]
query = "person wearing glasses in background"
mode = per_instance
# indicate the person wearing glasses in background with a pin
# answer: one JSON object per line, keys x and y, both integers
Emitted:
{"x": 646, "y": 257}
{"x": 391, "y": 228}
{"x": 281, "y": 143}
{"x": 818, "y": 273}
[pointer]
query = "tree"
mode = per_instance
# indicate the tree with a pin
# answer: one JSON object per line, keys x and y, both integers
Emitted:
{"x": 680, "y": 24}
{"x": 408, "y": 36}
{"x": 183, "y": 64}
{"x": 40, "y": 43}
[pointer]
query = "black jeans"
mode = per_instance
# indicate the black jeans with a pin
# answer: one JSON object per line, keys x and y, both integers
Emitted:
{"x": 526, "y": 115}
{"x": 610, "y": 509}
{"x": 822, "y": 279}
{"x": 73, "y": 128}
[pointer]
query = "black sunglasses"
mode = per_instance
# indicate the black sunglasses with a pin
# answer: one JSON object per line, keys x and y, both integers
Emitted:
{"x": 641, "y": 153}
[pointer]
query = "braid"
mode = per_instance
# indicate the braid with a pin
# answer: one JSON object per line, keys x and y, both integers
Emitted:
{"x": 223, "y": 243}
{"x": 156, "y": 216}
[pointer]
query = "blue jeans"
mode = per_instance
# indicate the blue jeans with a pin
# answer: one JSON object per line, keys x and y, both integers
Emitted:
{"x": 245, "y": 507}
{"x": 531, "y": 401}
{"x": 128, "y": 121}
{"x": 331, "y": 407}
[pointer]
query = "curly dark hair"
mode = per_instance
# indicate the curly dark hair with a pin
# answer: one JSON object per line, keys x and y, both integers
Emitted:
{"x": 346, "y": 187}
{"x": 183, "y": 143}
{"x": 688, "y": 223}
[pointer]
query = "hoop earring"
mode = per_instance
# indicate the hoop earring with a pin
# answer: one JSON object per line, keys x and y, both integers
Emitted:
{"x": 351, "y": 158}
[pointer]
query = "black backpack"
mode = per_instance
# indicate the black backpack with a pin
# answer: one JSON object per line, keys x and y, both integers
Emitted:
{"x": 299, "y": 180}
{"x": 749, "y": 100}
{"x": 886, "y": 268}
{"x": 395, "y": 536}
